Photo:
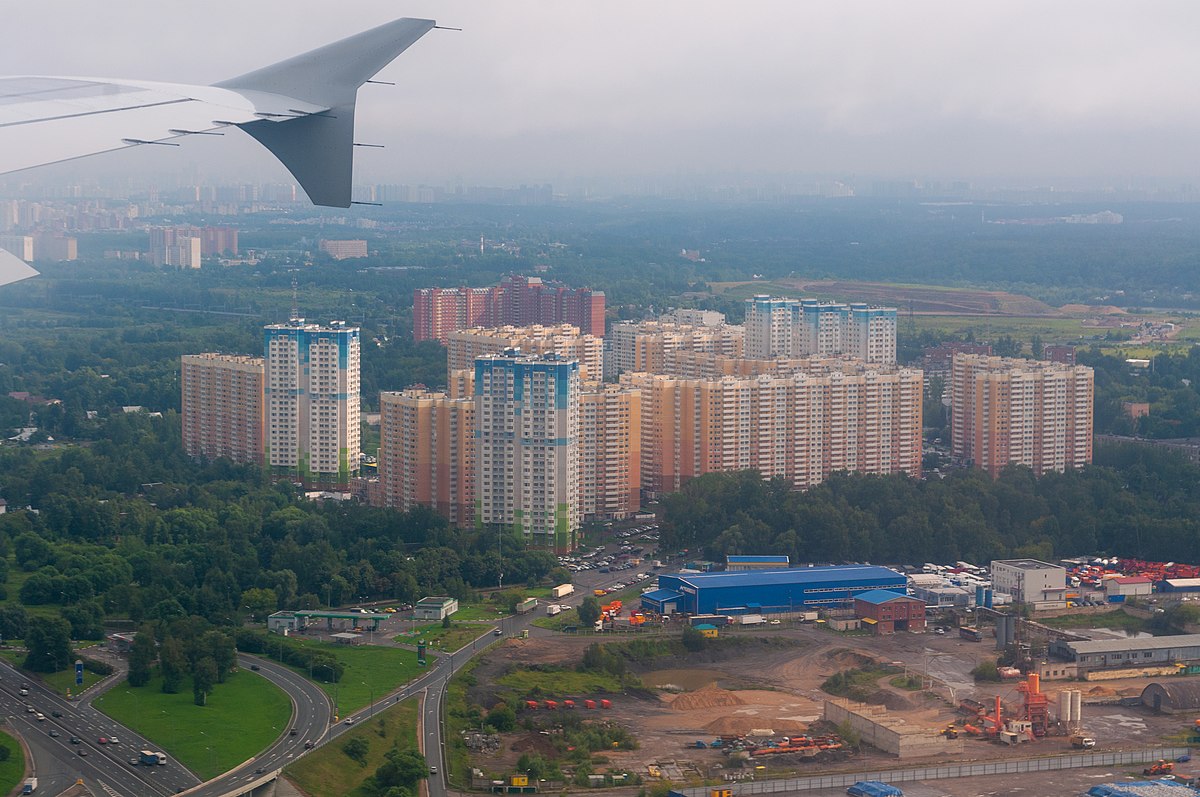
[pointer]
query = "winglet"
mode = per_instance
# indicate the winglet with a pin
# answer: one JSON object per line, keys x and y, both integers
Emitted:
{"x": 318, "y": 149}
{"x": 13, "y": 268}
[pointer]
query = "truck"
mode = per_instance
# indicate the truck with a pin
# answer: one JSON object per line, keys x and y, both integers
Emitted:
{"x": 751, "y": 619}
{"x": 527, "y": 605}
{"x": 30, "y": 786}
{"x": 562, "y": 591}
{"x": 973, "y": 634}
{"x": 553, "y": 609}
{"x": 151, "y": 758}
{"x": 1082, "y": 742}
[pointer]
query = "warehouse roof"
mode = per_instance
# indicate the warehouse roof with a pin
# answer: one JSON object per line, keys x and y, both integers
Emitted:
{"x": 1182, "y": 694}
{"x": 1140, "y": 788}
{"x": 800, "y": 575}
{"x": 1122, "y": 645}
{"x": 751, "y": 559}
{"x": 1132, "y": 580}
{"x": 1028, "y": 564}
{"x": 878, "y": 596}
{"x": 1183, "y": 583}
{"x": 662, "y": 595}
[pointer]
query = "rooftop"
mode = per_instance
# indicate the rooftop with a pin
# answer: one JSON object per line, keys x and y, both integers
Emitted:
{"x": 1027, "y": 564}
{"x": 798, "y": 575}
{"x": 878, "y": 596}
{"x": 1124, "y": 645}
{"x": 662, "y": 595}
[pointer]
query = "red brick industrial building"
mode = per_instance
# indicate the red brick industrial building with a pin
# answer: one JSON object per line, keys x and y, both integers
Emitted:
{"x": 886, "y": 612}
{"x": 518, "y": 300}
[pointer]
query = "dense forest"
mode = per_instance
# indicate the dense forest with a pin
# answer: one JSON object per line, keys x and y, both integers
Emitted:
{"x": 128, "y": 530}
{"x": 1135, "y": 501}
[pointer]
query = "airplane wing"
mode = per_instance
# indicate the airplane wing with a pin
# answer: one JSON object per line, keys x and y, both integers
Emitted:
{"x": 13, "y": 268}
{"x": 301, "y": 109}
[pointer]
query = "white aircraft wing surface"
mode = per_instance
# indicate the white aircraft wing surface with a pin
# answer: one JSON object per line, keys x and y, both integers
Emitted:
{"x": 13, "y": 268}
{"x": 301, "y": 109}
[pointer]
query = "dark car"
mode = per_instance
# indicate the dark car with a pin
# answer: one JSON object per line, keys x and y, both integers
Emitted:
{"x": 55, "y": 713}
{"x": 82, "y": 751}
{"x": 133, "y": 762}
{"x": 75, "y": 740}
{"x": 309, "y": 745}
{"x": 54, "y": 733}
{"x": 292, "y": 732}
{"x": 255, "y": 667}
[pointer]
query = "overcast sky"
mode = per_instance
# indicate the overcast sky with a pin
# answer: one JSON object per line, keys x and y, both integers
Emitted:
{"x": 543, "y": 90}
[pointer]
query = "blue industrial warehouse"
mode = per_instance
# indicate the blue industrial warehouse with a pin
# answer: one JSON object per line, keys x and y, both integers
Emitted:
{"x": 768, "y": 591}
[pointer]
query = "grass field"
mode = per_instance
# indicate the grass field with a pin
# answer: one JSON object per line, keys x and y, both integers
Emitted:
{"x": 1118, "y": 620}
{"x": 444, "y": 639}
{"x": 60, "y": 681}
{"x": 370, "y": 672}
{"x": 329, "y": 772}
{"x": 244, "y": 716}
{"x": 486, "y": 612}
{"x": 556, "y": 682}
{"x": 12, "y": 770}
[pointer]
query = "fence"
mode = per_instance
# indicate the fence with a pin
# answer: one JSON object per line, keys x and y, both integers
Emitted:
{"x": 1009, "y": 767}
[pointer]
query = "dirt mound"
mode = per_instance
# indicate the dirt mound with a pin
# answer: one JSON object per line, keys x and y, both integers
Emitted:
{"x": 741, "y": 726}
{"x": 708, "y": 697}
{"x": 1092, "y": 309}
{"x": 1100, "y": 691}
{"x": 893, "y": 701}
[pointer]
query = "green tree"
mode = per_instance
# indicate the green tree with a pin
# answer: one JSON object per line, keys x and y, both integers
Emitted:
{"x": 693, "y": 640}
{"x": 502, "y": 718}
{"x": 447, "y": 622}
{"x": 259, "y": 602}
{"x": 204, "y": 678}
{"x": 141, "y": 658}
{"x": 404, "y": 768}
{"x": 589, "y": 610}
{"x": 49, "y": 644}
{"x": 173, "y": 664}
{"x": 357, "y": 749}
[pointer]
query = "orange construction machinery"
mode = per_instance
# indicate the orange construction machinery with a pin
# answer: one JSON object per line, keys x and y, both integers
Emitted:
{"x": 1036, "y": 704}
{"x": 1159, "y": 767}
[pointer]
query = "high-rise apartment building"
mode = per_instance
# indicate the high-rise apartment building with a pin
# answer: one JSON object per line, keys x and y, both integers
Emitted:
{"x": 782, "y": 327}
{"x": 1005, "y": 411}
{"x": 312, "y": 401}
{"x": 19, "y": 245}
{"x": 610, "y": 451}
{"x": 838, "y": 415}
{"x": 344, "y": 250}
{"x": 465, "y": 345}
{"x": 175, "y": 246}
{"x": 516, "y": 301}
{"x": 650, "y": 346}
{"x": 427, "y": 453}
{"x": 223, "y": 407}
{"x": 527, "y": 416}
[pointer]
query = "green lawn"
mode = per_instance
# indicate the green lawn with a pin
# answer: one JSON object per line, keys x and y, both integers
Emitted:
{"x": 443, "y": 639}
{"x": 329, "y": 772}
{"x": 370, "y": 671}
{"x": 244, "y": 716}
{"x": 12, "y": 770}
{"x": 1117, "y": 619}
{"x": 64, "y": 680}
{"x": 483, "y": 611}
{"x": 558, "y": 683}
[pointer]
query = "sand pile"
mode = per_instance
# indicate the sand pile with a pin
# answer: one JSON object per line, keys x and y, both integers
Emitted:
{"x": 892, "y": 700}
{"x": 708, "y": 697}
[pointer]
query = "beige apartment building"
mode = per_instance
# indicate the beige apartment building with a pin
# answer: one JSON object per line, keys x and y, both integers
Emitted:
{"x": 223, "y": 407}
{"x": 842, "y": 415}
{"x": 464, "y": 346}
{"x": 610, "y": 451}
{"x": 1027, "y": 412}
{"x": 427, "y": 453}
{"x": 648, "y": 346}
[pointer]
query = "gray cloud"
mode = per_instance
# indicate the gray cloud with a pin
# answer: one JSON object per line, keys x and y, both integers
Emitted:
{"x": 542, "y": 89}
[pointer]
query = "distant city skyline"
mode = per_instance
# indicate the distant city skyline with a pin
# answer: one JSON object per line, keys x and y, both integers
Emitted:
{"x": 536, "y": 92}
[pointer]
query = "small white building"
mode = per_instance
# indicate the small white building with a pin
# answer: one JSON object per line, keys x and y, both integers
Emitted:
{"x": 1128, "y": 586}
{"x": 283, "y": 623}
{"x": 434, "y": 608}
{"x": 1030, "y": 581}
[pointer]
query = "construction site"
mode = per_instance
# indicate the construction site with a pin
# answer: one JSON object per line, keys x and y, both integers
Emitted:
{"x": 758, "y": 710}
